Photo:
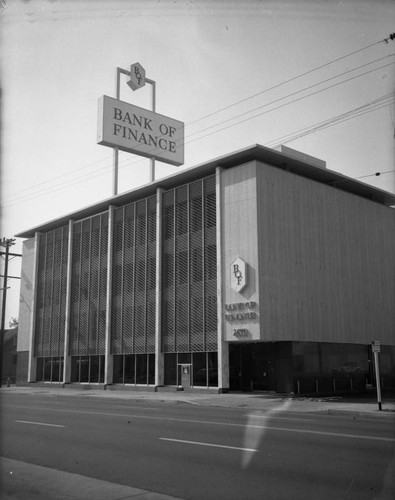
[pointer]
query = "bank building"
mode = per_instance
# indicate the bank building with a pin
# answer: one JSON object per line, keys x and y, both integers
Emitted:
{"x": 261, "y": 270}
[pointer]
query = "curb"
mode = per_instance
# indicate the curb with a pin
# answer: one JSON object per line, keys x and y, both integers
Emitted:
{"x": 358, "y": 408}
{"x": 357, "y": 413}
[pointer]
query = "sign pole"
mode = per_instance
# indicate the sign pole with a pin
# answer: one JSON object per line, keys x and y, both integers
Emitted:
{"x": 153, "y": 104}
{"x": 116, "y": 150}
{"x": 123, "y": 126}
{"x": 141, "y": 81}
{"x": 376, "y": 350}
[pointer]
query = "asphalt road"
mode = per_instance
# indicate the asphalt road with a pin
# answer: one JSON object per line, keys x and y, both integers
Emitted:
{"x": 196, "y": 452}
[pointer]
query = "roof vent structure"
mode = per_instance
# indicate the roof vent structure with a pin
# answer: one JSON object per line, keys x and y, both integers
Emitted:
{"x": 297, "y": 155}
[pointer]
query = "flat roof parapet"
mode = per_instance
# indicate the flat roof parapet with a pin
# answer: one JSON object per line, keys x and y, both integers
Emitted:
{"x": 293, "y": 161}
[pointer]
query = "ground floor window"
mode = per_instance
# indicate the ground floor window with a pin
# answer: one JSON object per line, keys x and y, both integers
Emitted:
{"x": 49, "y": 369}
{"x": 326, "y": 367}
{"x": 87, "y": 369}
{"x": 307, "y": 367}
{"x": 202, "y": 369}
{"x": 135, "y": 369}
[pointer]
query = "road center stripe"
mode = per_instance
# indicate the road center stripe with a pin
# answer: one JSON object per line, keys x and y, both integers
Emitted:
{"x": 198, "y": 443}
{"x": 38, "y": 423}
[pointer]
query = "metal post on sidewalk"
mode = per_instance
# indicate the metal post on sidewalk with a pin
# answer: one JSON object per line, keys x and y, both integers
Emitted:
{"x": 376, "y": 350}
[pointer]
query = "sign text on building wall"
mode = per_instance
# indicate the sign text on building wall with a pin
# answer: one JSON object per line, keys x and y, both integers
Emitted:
{"x": 140, "y": 131}
{"x": 240, "y": 311}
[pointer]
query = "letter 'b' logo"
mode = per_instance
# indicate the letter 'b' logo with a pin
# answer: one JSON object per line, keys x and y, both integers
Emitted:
{"x": 238, "y": 275}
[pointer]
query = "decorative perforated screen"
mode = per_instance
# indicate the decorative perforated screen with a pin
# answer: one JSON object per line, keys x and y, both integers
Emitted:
{"x": 189, "y": 268}
{"x": 51, "y": 293}
{"x": 189, "y": 274}
{"x": 88, "y": 286}
{"x": 134, "y": 278}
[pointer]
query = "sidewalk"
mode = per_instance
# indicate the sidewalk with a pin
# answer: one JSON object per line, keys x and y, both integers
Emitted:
{"x": 365, "y": 404}
{"x": 23, "y": 481}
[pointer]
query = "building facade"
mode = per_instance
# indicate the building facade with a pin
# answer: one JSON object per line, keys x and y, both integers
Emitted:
{"x": 261, "y": 270}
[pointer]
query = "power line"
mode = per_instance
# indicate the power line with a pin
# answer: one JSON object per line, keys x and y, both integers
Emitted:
{"x": 369, "y": 107}
{"x": 391, "y": 37}
{"x": 296, "y": 92}
{"x": 376, "y": 174}
{"x": 287, "y": 138}
{"x": 291, "y": 102}
{"x": 70, "y": 172}
{"x": 292, "y": 79}
{"x": 104, "y": 169}
{"x": 360, "y": 110}
{"x": 277, "y": 100}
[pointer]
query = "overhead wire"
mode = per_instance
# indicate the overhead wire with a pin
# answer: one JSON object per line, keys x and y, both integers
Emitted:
{"x": 376, "y": 174}
{"x": 250, "y": 97}
{"x": 360, "y": 110}
{"x": 280, "y": 99}
{"x": 291, "y": 102}
{"x": 69, "y": 172}
{"x": 301, "y": 75}
{"x": 105, "y": 169}
{"x": 303, "y": 132}
{"x": 367, "y": 108}
{"x": 297, "y": 92}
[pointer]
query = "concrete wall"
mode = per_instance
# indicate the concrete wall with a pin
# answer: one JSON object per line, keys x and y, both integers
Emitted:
{"x": 25, "y": 308}
{"x": 326, "y": 261}
{"x": 22, "y": 364}
{"x": 239, "y": 237}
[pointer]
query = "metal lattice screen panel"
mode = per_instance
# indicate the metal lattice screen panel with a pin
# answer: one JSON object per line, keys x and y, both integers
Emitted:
{"x": 51, "y": 293}
{"x": 117, "y": 282}
{"x": 210, "y": 264}
{"x": 189, "y": 263}
{"x": 181, "y": 270}
{"x": 168, "y": 273}
{"x": 89, "y": 286}
{"x": 134, "y": 278}
{"x": 150, "y": 307}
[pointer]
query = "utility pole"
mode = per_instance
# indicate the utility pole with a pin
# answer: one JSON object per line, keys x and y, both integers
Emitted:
{"x": 5, "y": 243}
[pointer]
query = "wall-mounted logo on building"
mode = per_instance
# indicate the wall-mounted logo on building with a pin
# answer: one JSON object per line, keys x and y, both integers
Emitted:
{"x": 238, "y": 275}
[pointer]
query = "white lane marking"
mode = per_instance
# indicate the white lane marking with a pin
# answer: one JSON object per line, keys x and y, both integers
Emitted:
{"x": 136, "y": 407}
{"x": 38, "y": 423}
{"x": 208, "y": 422}
{"x": 198, "y": 443}
{"x": 276, "y": 417}
{"x": 332, "y": 434}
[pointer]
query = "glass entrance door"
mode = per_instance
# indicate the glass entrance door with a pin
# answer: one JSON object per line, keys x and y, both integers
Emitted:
{"x": 252, "y": 367}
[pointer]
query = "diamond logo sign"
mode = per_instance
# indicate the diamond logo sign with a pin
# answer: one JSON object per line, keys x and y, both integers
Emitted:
{"x": 238, "y": 275}
{"x": 137, "y": 76}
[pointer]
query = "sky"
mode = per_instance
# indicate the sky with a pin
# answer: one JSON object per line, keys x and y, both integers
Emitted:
{"x": 315, "y": 75}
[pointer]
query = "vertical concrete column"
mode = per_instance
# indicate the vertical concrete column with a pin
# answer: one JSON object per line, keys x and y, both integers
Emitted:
{"x": 32, "y": 363}
{"x": 108, "y": 362}
{"x": 223, "y": 347}
{"x": 159, "y": 356}
{"x": 67, "y": 357}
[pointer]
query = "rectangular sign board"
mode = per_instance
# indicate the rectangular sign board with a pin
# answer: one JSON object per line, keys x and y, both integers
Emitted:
{"x": 140, "y": 131}
{"x": 375, "y": 346}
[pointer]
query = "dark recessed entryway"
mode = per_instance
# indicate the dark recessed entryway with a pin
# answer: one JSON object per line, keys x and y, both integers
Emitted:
{"x": 260, "y": 366}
